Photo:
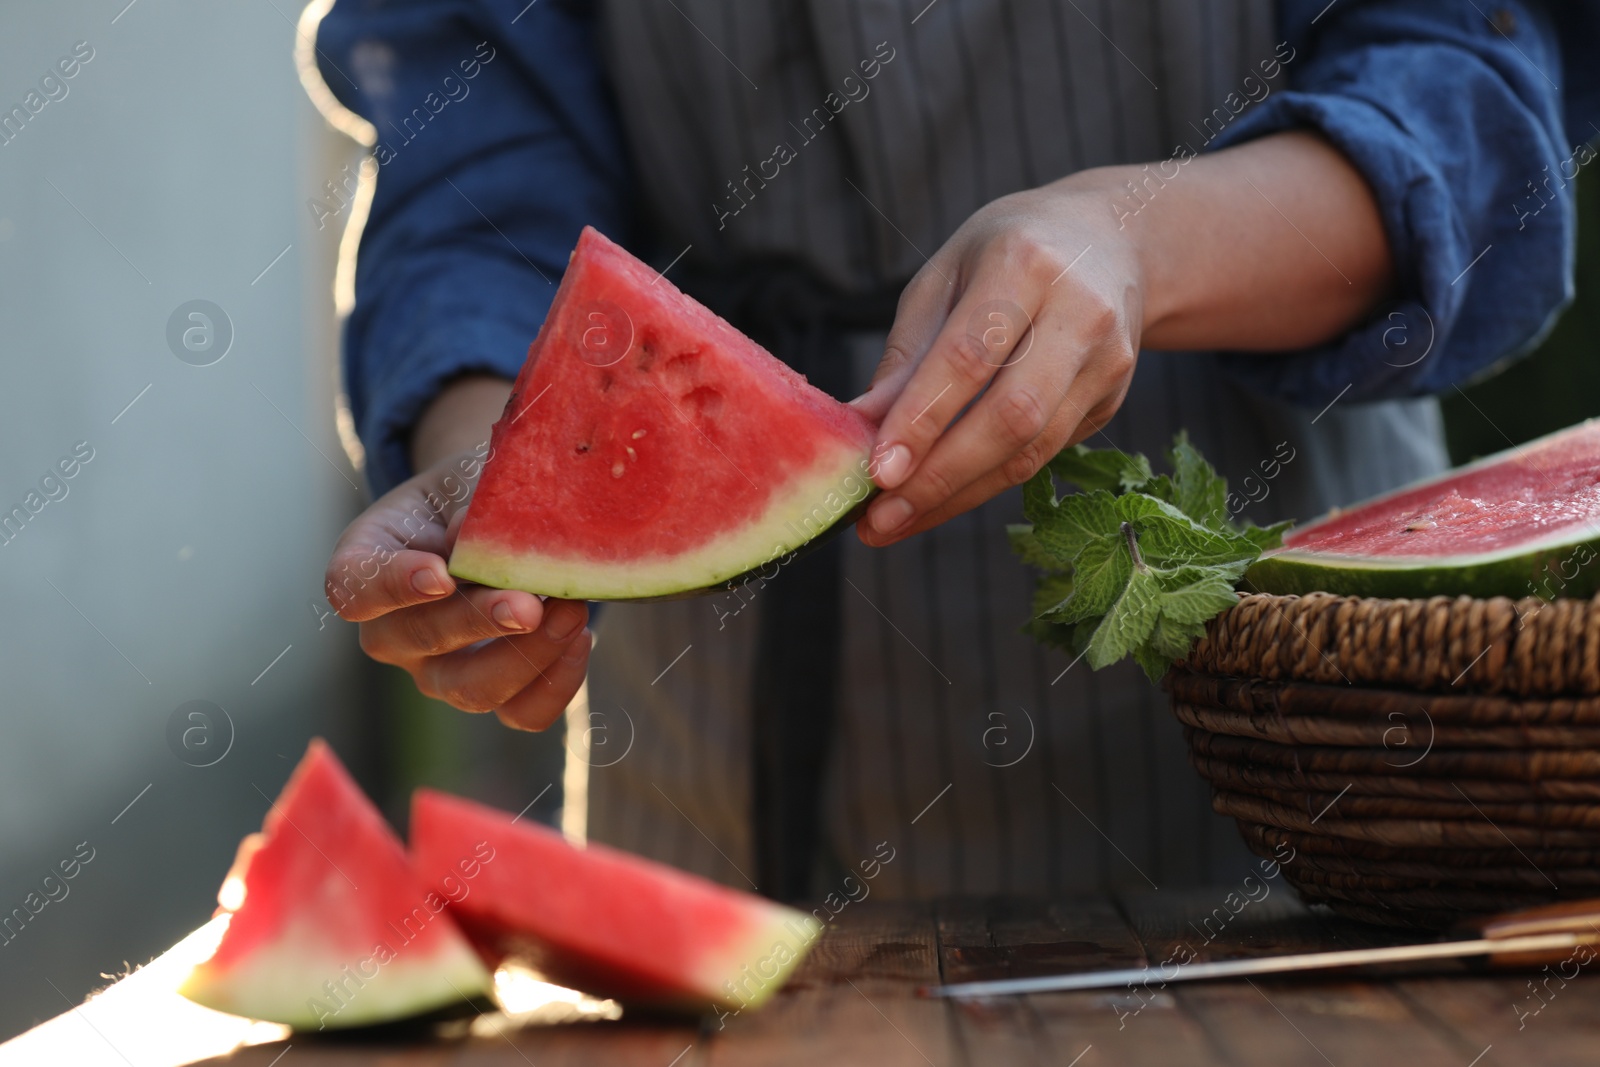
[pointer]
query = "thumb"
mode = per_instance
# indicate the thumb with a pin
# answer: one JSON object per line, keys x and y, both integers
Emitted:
{"x": 453, "y": 531}
{"x": 924, "y": 305}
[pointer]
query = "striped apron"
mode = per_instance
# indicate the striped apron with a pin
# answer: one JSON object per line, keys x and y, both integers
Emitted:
{"x": 853, "y": 137}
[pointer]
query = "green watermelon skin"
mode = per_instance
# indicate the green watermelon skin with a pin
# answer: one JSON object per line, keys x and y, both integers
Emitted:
{"x": 1527, "y": 574}
{"x": 649, "y": 450}
{"x": 1535, "y": 508}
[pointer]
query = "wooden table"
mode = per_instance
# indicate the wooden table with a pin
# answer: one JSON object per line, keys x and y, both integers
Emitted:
{"x": 854, "y": 1002}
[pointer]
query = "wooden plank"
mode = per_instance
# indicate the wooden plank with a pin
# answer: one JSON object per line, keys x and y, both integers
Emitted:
{"x": 1002, "y": 938}
{"x": 1104, "y": 1027}
{"x": 1280, "y": 1022}
{"x": 1006, "y": 1030}
{"x": 628, "y": 1043}
{"x": 318, "y": 1052}
{"x": 1505, "y": 1020}
{"x": 853, "y": 1000}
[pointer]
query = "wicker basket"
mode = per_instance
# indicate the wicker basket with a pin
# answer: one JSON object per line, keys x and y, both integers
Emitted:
{"x": 1426, "y": 760}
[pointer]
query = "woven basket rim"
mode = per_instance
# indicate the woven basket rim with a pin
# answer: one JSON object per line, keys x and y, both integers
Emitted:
{"x": 1528, "y": 647}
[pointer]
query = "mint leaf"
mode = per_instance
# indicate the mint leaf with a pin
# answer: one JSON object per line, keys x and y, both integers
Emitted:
{"x": 1153, "y": 660}
{"x": 1173, "y": 640}
{"x": 1075, "y": 522}
{"x": 1106, "y": 468}
{"x": 1128, "y": 622}
{"x": 1039, "y": 497}
{"x": 1053, "y": 587}
{"x": 1161, "y": 488}
{"x": 1197, "y": 594}
{"x": 1168, "y": 536}
{"x": 1137, "y": 563}
{"x": 1028, "y": 548}
{"x": 1100, "y": 573}
{"x": 1197, "y": 488}
{"x": 1051, "y": 593}
{"x": 1081, "y": 635}
{"x": 1265, "y": 537}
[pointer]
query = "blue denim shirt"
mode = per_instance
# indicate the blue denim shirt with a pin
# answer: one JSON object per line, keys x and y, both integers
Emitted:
{"x": 1469, "y": 123}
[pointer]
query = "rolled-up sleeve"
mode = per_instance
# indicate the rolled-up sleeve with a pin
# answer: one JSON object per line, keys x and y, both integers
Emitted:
{"x": 1455, "y": 115}
{"x": 496, "y": 142}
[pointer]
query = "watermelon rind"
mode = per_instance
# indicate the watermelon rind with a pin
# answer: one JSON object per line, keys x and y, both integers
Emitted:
{"x": 288, "y": 983}
{"x": 1512, "y": 573}
{"x": 741, "y": 977}
{"x": 1561, "y": 564}
{"x": 812, "y": 508}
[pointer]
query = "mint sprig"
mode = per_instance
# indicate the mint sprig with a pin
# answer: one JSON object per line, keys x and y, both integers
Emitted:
{"x": 1136, "y": 563}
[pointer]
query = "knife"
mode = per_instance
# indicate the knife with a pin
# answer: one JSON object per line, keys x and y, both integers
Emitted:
{"x": 1531, "y": 938}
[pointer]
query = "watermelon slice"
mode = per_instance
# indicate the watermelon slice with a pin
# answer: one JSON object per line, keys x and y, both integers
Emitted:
{"x": 1524, "y": 522}
{"x": 649, "y": 449}
{"x": 329, "y": 927}
{"x": 604, "y": 921}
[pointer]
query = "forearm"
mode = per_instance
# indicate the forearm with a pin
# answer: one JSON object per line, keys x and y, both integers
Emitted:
{"x": 1275, "y": 245}
{"x": 458, "y": 419}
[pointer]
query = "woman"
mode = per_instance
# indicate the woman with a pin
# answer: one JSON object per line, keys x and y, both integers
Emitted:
{"x": 1002, "y": 227}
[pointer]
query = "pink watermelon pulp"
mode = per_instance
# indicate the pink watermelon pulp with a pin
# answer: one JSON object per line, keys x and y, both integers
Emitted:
{"x": 330, "y": 927}
{"x": 649, "y": 449}
{"x": 1524, "y": 522}
{"x": 604, "y": 921}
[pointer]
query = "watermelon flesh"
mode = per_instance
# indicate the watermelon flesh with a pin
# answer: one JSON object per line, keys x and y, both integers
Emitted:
{"x": 604, "y": 921}
{"x": 1524, "y": 522}
{"x": 329, "y": 926}
{"x": 649, "y": 449}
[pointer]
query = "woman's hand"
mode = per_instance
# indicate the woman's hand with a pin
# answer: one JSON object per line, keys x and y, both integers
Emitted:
{"x": 477, "y": 648}
{"x": 1034, "y": 311}
{"x": 1031, "y": 313}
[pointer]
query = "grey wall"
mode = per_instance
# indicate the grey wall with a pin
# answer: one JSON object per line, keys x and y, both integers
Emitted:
{"x": 187, "y": 553}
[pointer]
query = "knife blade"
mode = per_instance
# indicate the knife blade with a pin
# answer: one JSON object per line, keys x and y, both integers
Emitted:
{"x": 1514, "y": 939}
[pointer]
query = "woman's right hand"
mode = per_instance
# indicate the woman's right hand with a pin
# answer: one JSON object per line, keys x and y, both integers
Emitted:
{"x": 477, "y": 648}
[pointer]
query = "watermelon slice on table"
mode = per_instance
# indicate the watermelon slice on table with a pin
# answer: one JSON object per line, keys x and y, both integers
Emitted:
{"x": 1523, "y": 522}
{"x": 649, "y": 449}
{"x": 604, "y": 921}
{"x": 329, "y": 926}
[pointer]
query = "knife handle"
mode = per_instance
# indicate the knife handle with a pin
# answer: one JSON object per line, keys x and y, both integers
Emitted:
{"x": 1581, "y": 918}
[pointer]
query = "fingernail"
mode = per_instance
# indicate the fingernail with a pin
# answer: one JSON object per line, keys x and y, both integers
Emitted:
{"x": 561, "y": 622}
{"x": 893, "y": 464}
{"x": 579, "y": 649}
{"x": 507, "y": 619}
{"x": 427, "y": 583}
{"x": 889, "y": 515}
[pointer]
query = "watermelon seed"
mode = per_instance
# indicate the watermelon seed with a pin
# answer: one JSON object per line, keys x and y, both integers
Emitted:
{"x": 583, "y": 447}
{"x": 632, "y": 454}
{"x": 617, "y": 468}
{"x": 638, "y": 434}
{"x": 1421, "y": 524}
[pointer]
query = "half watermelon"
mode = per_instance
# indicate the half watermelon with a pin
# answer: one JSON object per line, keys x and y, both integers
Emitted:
{"x": 329, "y": 927}
{"x": 1523, "y": 522}
{"x": 604, "y": 921}
{"x": 649, "y": 449}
